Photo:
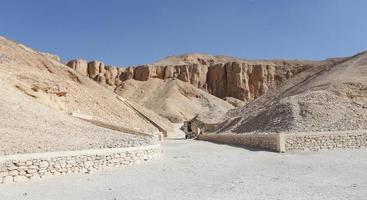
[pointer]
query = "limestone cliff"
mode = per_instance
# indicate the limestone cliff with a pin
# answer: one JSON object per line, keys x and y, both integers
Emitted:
{"x": 224, "y": 77}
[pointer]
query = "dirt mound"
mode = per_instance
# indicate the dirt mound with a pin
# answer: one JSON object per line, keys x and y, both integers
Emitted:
{"x": 325, "y": 98}
{"x": 173, "y": 99}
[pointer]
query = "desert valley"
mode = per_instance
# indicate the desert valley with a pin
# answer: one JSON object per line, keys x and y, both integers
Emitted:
{"x": 247, "y": 116}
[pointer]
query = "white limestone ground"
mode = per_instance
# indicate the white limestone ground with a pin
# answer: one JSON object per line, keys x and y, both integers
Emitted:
{"x": 203, "y": 170}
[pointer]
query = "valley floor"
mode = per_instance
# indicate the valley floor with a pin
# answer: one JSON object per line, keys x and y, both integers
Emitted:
{"x": 202, "y": 170}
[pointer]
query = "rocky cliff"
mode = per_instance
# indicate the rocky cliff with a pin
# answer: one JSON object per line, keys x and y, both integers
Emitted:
{"x": 224, "y": 77}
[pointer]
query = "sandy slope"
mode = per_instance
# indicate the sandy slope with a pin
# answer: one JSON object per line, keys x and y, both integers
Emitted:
{"x": 326, "y": 98}
{"x": 55, "y": 85}
{"x": 173, "y": 99}
{"x": 36, "y": 95}
{"x": 28, "y": 126}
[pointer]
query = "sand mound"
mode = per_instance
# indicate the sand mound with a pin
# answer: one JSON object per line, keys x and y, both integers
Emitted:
{"x": 326, "y": 98}
{"x": 173, "y": 99}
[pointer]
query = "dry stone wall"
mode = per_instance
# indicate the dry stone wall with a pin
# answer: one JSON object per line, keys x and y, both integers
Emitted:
{"x": 25, "y": 167}
{"x": 294, "y": 142}
{"x": 325, "y": 141}
{"x": 267, "y": 142}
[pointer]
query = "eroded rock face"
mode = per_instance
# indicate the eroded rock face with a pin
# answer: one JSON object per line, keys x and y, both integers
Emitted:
{"x": 95, "y": 68}
{"x": 111, "y": 75}
{"x": 242, "y": 80}
{"x": 194, "y": 73}
{"x": 79, "y": 65}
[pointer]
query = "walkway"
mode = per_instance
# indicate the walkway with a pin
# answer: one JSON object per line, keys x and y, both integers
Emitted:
{"x": 202, "y": 170}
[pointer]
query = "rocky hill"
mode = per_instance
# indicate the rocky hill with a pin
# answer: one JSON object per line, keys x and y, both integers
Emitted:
{"x": 174, "y": 99}
{"x": 326, "y": 98}
{"x": 221, "y": 76}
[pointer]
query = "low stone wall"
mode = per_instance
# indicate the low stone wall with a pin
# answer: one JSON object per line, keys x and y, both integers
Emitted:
{"x": 325, "y": 141}
{"x": 268, "y": 142}
{"x": 295, "y": 142}
{"x": 25, "y": 167}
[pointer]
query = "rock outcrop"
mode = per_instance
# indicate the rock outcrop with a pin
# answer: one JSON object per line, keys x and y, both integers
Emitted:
{"x": 195, "y": 74}
{"x": 244, "y": 80}
{"x": 79, "y": 65}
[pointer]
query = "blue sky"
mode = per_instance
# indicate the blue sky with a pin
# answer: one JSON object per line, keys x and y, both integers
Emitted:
{"x": 124, "y": 33}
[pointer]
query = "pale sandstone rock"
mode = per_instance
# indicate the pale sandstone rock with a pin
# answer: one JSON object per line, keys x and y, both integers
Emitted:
{"x": 110, "y": 75}
{"x": 240, "y": 80}
{"x": 8, "y": 179}
{"x": 20, "y": 179}
{"x": 44, "y": 164}
{"x": 35, "y": 177}
{"x": 79, "y": 65}
{"x": 128, "y": 73}
{"x": 29, "y": 163}
{"x": 142, "y": 73}
{"x": 95, "y": 68}
{"x": 100, "y": 78}
{"x": 244, "y": 80}
{"x": 13, "y": 172}
{"x": 3, "y": 174}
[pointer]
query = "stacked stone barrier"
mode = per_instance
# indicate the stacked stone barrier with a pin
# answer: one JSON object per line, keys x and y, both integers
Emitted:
{"x": 25, "y": 167}
{"x": 294, "y": 142}
{"x": 260, "y": 141}
{"x": 325, "y": 141}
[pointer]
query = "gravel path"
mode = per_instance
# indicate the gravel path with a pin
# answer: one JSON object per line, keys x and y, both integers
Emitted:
{"x": 202, "y": 170}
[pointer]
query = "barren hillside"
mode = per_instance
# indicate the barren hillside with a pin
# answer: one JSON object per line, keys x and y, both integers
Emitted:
{"x": 326, "y": 98}
{"x": 173, "y": 99}
{"x": 37, "y": 95}
{"x": 28, "y": 126}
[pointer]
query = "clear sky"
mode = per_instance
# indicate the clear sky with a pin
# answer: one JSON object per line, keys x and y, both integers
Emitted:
{"x": 122, "y": 32}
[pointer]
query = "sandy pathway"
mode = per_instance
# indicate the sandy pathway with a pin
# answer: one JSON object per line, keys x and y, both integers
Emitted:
{"x": 202, "y": 170}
